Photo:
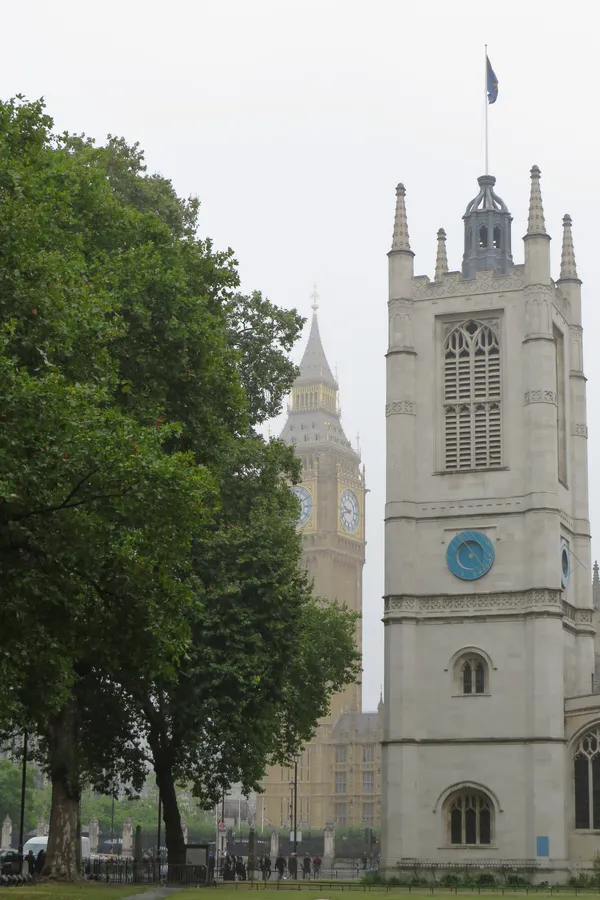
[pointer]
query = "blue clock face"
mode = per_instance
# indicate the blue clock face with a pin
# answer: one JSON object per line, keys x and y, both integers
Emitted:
{"x": 470, "y": 555}
{"x": 349, "y": 511}
{"x": 306, "y": 503}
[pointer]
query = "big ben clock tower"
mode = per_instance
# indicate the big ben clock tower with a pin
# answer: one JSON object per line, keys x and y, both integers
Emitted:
{"x": 332, "y": 522}
{"x": 331, "y": 494}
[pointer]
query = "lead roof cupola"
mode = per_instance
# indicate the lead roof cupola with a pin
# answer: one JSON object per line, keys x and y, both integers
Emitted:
{"x": 487, "y": 231}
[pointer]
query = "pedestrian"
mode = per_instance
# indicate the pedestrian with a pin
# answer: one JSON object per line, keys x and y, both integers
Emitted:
{"x": 317, "y": 863}
{"x": 40, "y": 862}
{"x": 30, "y": 858}
{"x": 293, "y": 865}
{"x": 280, "y": 866}
{"x": 267, "y": 865}
{"x": 306, "y": 866}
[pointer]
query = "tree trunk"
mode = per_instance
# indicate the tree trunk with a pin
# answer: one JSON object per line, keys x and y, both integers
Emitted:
{"x": 62, "y": 853}
{"x": 171, "y": 817}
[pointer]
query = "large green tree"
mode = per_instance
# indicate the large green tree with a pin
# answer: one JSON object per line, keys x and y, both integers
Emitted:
{"x": 147, "y": 533}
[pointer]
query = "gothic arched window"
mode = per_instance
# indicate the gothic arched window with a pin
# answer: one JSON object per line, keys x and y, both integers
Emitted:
{"x": 497, "y": 238}
{"x": 483, "y": 236}
{"x": 586, "y": 771}
{"x": 473, "y": 676}
{"x": 469, "y": 817}
{"x": 472, "y": 422}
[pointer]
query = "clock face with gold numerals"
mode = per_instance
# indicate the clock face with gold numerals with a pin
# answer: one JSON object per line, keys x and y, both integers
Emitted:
{"x": 306, "y": 503}
{"x": 349, "y": 511}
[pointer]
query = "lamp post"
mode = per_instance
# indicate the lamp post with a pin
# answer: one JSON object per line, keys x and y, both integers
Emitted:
{"x": 23, "y": 790}
{"x": 296, "y": 759}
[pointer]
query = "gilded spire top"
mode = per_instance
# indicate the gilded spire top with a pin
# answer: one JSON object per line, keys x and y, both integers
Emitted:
{"x": 441, "y": 261}
{"x": 400, "y": 240}
{"x": 535, "y": 222}
{"x": 315, "y": 299}
{"x": 568, "y": 268}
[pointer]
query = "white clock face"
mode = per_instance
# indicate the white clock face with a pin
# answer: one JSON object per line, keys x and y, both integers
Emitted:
{"x": 306, "y": 503}
{"x": 349, "y": 511}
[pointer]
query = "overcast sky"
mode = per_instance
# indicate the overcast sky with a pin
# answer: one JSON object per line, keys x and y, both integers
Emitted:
{"x": 294, "y": 121}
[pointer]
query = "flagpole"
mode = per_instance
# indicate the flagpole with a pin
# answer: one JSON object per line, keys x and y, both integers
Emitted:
{"x": 485, "y": 100}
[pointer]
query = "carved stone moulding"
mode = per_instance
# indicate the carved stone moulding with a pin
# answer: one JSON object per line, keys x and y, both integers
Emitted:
{"x": 540, "y": 395}
{"x": 519, "y": 600}
{"x": 400, "y": 407}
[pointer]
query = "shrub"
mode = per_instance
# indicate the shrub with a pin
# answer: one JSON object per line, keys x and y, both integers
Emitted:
{"x": 484, "y": 878}
{"x": 516, "y": 880}
{"x": 450, "y": 880}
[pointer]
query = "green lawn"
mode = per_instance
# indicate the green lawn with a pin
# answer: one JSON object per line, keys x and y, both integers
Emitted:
{"x": 84, "y": 890}
{"x": 398, "y": 893}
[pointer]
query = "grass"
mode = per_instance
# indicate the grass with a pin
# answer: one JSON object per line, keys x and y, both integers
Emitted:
{"x": 395, "y": 893}
{"x": 84, "y": 890}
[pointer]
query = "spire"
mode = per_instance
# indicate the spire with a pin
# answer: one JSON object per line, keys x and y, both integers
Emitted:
{"x": 596, "y": 588}
{"x": 314, "y": 365}
{"x": 314, "y": 411}
{"x": 441, "y": 262}
{"x": 568, "y": 269}
{"x": 596, "y": 578}
{"x": 400, "y": 240}
{"x": 535, "y": 222}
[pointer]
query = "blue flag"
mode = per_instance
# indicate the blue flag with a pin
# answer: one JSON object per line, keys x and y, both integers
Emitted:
{"x": 492, "y": 83}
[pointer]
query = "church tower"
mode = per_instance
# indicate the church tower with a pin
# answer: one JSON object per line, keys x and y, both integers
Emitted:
{"x": 332, "y": 522}
{"x": 489, "y": 640}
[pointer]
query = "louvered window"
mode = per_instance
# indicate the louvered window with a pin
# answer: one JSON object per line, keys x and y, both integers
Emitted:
{"x": 472, "y": 412}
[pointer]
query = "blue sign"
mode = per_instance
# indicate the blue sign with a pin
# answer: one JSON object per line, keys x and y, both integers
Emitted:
{"x": 543, "y": 846}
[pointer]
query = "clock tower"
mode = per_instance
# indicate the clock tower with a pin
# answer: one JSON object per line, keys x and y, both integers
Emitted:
{"x": 331, "y": 494}
{"x": 339, "y": 770}
{"x": 489, "y": 636}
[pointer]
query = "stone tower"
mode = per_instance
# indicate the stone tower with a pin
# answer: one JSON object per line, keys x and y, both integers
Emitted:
{"x": 332, "y": 492}
{"x": 332, "y": 521}
{"x": 489, "y": 641}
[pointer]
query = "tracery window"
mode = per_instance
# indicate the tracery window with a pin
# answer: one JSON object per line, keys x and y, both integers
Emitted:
{"x": 470, "y": 815}
{"x": 472, "y": 422}
{"x": 473, "y": 676}
{"x": 586, "y": 771}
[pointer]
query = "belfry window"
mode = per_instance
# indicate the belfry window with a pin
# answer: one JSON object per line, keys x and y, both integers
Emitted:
{"x": 483, "y": 236}
{"x": 586, "y": 772}
{"x": 469, "y": 818}
{"x": 497, "y": 238}
{"x": 472, "y": 422}
{"x": 473, "y": 677}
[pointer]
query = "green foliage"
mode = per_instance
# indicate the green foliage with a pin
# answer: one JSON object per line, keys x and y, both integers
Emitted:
{"x": 484, "y": 878}
{"x": 450, "y": 880}
{"x": 36, "y": 801}
{"x": 153, "y": 595}
{"x": 516, "y": 880}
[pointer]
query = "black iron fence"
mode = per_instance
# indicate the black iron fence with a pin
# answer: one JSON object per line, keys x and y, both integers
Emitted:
{"x": 129, "y": 871}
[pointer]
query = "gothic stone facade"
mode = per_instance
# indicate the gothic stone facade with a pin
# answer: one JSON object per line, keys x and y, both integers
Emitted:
{"x": 339, "y": 771}
{"x": 491, "y": 744}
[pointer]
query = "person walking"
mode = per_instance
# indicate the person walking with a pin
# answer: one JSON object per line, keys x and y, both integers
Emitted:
{"x": 267, "y": 867}
{"x": 280, "y": 866}
{"x": 293, "y": 865}
{"x": 306, "y": 866}
{"x": 317, "y": 863}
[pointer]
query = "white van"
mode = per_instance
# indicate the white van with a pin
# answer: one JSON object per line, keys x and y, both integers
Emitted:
{"x": 41, "y": 843}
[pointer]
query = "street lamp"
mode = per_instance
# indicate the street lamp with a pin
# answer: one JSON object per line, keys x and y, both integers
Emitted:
{"x": 296, "y": 760}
